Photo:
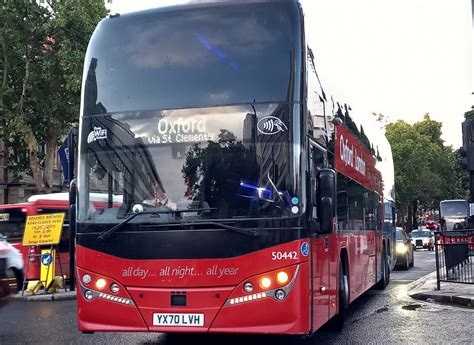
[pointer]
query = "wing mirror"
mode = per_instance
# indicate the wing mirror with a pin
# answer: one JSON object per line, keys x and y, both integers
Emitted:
{"x": 326, "y": 199}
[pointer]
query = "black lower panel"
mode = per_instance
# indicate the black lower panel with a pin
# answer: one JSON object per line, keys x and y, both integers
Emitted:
{"x": 186, "y": 244}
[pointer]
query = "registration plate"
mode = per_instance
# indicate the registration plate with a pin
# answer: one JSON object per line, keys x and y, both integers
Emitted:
{"x": 183, "y": 320}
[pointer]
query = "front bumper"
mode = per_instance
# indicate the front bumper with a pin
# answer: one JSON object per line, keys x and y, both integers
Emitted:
{"x": 225, "y": 309}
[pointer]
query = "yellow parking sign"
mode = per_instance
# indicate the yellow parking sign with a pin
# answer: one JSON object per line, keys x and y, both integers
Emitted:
{"x": 44, "y": 229}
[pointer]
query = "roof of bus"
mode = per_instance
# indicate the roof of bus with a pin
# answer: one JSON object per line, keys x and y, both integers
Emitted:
{"x": 19, "y": 205}
{"x": 38, "y": 204}
{"x": 453, "y": 200}
{"x": 185, "y": 4}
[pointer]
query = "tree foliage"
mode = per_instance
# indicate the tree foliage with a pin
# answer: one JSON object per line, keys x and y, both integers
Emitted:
{"x": 42, "y": 50}
{"x": 426, "y": 171}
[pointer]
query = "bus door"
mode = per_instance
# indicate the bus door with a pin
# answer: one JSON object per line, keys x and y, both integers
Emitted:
{"x": 320, "y": 254}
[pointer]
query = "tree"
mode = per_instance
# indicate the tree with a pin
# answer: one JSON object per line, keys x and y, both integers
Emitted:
{"x": 43, "y": 50}
{"x": 424, "y": 168}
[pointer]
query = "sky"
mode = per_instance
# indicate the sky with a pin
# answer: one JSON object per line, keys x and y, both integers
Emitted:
{"x": 400, "y": 58}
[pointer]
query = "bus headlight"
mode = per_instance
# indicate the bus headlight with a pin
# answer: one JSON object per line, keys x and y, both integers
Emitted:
{"x": 280, "y": 294}
{"x": 86, "y": 279}
{"x": 248, "y": 287}
{"x": 114, "y": 288}
{"x": 401, "y": 248}
{"x": 88, "y": 295}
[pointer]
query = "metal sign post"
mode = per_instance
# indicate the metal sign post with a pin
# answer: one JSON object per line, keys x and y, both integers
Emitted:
{"x": 72, "y": 143}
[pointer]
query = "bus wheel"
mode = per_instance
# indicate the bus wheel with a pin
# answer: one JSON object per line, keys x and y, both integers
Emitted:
{"x": 337, "y": 323}
{"x": 382, "y": 284}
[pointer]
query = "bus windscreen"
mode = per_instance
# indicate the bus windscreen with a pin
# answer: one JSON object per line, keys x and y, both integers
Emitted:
{"x": 454, "y": 209}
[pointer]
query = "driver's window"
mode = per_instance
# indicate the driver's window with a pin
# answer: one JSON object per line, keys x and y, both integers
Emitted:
{"x": 317, "y": 161}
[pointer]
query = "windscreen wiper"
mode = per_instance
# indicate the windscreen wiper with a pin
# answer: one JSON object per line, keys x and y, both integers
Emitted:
{"x": 251, "y": 233}
{"x": 243, "y": 231}
{"x": 107, "y": 234}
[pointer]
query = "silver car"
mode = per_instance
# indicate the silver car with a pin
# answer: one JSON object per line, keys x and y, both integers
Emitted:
{"x": 13, "y": 260}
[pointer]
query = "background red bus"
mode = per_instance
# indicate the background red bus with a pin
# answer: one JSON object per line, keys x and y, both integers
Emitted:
{"x": 12, "y": 226}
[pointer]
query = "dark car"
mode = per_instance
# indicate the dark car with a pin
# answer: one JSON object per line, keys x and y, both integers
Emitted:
{"x": 4, "y": 281}
{"x": 404, "y": 250}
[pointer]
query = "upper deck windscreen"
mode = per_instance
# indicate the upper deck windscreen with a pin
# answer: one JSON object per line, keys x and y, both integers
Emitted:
{"x": 201, "y": 56}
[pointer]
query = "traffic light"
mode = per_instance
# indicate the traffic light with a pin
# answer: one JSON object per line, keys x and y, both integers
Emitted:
{"x": 467, "y": 150}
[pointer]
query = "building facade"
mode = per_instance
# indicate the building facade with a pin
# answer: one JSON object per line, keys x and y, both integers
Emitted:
{"x": 14, "y": 190}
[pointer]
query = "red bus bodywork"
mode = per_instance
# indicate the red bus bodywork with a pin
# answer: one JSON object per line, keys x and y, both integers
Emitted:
{"x": 214, "y": 288}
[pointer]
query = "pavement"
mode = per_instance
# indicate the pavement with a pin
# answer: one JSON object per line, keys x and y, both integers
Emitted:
{"x": 61, "y": 295}
{"x": 457, "y": 294}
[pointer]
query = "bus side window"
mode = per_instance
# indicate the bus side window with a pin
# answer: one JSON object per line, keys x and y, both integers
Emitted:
{"x": 316, "y": 103}
{"x": 317, "y": 162}
{"x": 342, "y": 202}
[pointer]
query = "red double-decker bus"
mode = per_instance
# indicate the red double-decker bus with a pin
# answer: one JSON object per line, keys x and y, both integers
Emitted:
{"x": 245, "y": 210}
{"x": 12, "y": 226}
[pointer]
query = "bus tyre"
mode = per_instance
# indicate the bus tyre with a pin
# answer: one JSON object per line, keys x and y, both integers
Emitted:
{"x": 385, "y": 279}
{"x": 337, "y": 323}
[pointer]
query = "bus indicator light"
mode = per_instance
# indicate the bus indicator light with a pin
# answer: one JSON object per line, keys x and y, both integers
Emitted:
{"x": 282, "y": 277}
{"x": 100, "y": 283}
{"x": 265, "y": 283}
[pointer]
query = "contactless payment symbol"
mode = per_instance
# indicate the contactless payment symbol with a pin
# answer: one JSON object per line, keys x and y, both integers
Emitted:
{"x": 46, "y": 259}
{"x": 305, "y": 249}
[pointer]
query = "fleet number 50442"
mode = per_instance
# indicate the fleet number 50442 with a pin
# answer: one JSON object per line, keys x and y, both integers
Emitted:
{"x": 293, "y": 255}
